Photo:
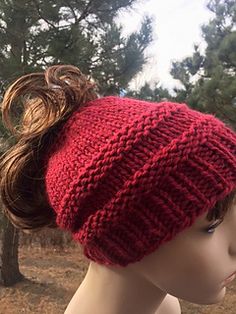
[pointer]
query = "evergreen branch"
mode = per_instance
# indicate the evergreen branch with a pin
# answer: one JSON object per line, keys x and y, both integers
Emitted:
{"x": 219, "y": 108}
{"x": 86, "y": 12}
{"x": 73, "y": 12}
{"x": 42, "y": 17}
{"x": 116, "y": 8}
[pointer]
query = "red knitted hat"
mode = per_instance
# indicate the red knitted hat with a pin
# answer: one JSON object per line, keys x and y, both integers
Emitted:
{"x": 125, "y": 176}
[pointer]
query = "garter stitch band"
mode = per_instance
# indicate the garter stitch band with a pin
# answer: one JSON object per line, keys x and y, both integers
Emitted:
{"x": 125, "y": 176}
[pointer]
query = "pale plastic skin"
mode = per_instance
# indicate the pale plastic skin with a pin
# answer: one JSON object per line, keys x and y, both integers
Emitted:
{"x": 192, "y": 267}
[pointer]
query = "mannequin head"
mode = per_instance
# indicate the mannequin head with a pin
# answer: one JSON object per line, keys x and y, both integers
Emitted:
{"x": 192, "y": 267}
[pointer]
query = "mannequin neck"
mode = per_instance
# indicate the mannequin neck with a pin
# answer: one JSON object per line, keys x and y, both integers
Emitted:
{"x": 115, "y": 290}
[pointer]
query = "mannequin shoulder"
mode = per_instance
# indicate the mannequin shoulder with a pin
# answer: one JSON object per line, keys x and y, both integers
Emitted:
{"x": 170, "y": 305}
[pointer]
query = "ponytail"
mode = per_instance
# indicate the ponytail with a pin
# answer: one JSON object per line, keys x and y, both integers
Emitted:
{"x": 48, "y": 101}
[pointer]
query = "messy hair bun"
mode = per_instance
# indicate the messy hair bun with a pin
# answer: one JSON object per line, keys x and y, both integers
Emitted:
{"x": 48, "y": 99}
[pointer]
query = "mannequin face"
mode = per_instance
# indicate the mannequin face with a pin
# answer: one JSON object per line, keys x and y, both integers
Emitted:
{"x": 195, "y": 263}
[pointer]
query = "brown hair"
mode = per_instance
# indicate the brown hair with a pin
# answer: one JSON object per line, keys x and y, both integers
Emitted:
{"x": 49, "y": 99}
{"x": 222, "y": 206}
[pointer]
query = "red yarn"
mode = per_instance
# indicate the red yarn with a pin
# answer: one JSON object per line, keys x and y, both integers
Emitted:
{"x": 125, "y": 175}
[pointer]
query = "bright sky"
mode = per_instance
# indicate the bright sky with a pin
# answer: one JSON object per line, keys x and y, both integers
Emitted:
{"x": 176, "y": 29}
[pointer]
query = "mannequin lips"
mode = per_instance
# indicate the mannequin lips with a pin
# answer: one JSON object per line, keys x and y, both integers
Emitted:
{"x": 230, "y": 278}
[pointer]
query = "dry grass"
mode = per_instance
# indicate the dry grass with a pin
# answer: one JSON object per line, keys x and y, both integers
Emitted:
{"x": 52, "y": 277}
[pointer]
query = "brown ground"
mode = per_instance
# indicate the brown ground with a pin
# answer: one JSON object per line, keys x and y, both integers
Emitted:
{"x": 52, "y": 277}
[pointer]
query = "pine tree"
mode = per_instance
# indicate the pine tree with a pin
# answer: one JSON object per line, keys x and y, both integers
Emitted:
{"x": 38, "y": 33}
{"x": 146, "y": 92}
{"x": 209, "y": 80}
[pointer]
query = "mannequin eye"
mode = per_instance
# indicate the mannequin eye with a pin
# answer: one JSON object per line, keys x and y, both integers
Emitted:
{"x": 212, "y": 228}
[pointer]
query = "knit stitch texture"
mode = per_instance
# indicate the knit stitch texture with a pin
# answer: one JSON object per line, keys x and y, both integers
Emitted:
{"x": 125, "y": 175}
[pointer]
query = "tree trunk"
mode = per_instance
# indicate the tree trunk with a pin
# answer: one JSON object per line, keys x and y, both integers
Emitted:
{"x": 9, "y": 266}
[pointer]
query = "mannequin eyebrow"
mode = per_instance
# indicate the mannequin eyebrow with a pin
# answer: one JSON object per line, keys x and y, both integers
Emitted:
{"x": 217, "y": 221}
{"x": 205, "y": 223}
